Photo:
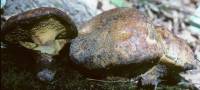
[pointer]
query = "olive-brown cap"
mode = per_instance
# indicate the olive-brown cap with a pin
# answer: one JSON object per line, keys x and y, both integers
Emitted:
{"x": 28, "y": 19}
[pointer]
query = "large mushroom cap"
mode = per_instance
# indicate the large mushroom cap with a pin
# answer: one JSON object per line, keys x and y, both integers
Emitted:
{"x": 119, "y": 41}
{"x": 123, "y": 41}
{"x": 38, "y": 28}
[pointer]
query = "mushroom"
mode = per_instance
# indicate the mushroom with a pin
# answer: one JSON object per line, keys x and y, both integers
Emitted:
{"x": 123, "y": 42}
{"x": 44, "y": 32}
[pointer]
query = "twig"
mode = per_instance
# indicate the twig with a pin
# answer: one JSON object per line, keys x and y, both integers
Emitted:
{"x": 117, "y": 81}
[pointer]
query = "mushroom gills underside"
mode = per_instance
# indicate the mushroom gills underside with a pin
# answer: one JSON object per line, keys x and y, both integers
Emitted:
{"x": 51, "y": 48}
{"x": 47, "y": 36}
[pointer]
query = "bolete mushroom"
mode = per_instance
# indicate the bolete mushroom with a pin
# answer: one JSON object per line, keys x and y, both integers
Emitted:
{"x": 123, "y": 42}
{"x": 44, "y": 31}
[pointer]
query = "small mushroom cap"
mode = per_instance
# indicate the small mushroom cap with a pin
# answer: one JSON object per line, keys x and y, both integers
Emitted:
{"x": 43, "y": 29}
{"x": 21, "y": 27}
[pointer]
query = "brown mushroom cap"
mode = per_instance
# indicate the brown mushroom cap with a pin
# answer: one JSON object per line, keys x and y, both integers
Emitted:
{"x": 123, "y": 42}
{"x": 26, "y": 20}
{"x": 119, "y": 41}
{"x": 39, "y": 28}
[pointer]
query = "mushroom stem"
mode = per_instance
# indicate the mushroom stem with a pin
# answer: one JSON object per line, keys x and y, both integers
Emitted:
{"x": 45, "y": 70}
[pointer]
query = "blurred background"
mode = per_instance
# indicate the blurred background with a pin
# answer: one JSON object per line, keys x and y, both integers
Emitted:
{"x": 181, "y": 17}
